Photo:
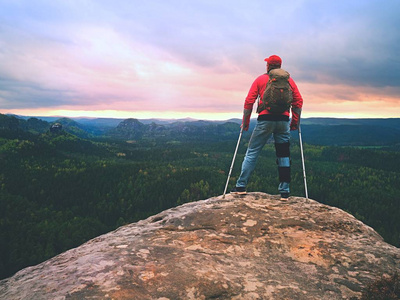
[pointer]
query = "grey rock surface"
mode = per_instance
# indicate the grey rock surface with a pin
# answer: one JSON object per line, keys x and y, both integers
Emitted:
{"x": 240, "y": 247}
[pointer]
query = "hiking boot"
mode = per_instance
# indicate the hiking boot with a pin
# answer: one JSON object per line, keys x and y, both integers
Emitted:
{"x": 284, "y": 196}
{"x": 239, "y": 190}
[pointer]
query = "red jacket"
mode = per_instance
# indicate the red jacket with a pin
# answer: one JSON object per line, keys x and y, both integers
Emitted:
{"x": 257, "y": 89}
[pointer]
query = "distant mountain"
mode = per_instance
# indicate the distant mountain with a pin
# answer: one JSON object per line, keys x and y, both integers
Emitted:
{"x": 32, "y": 125}
{"x": 318, "y": 131}
{"x": 98, "y": 122}
{"x": 75, "y": 128}
{"x": 16, "y": 127}
{"x": 47, "y": 119}
{"x": 390, "y": 122}
{"x": 193, "y": 130}
{"x": 12, "y": 127}
{"x": 113, "y": 122}
{"x": 130, "y": 129}
{"x": 166, "y": 121}
{"x": 9, "y": 122}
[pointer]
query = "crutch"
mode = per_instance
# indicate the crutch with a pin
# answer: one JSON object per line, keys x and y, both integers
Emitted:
{"x": 233, "y": 162}
{"x": 302, "y": 160}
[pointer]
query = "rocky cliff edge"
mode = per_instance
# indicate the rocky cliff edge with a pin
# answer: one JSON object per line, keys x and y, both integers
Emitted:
{"x": 240, "y": 247}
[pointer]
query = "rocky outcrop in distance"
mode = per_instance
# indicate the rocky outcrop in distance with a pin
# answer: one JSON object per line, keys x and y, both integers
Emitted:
{"x": 241, "y": 247}
{"x": 133, "y": 129}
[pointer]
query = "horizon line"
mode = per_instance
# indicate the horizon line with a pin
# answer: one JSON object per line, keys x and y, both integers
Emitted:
{"x": 181, "y": 118}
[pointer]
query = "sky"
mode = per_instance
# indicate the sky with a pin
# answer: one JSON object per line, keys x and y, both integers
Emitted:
{"x": 196, "y": 58}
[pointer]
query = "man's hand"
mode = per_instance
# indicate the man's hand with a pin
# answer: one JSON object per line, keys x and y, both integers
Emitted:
{"x": 246, "y": 119}
{"x": 294, "y": 124}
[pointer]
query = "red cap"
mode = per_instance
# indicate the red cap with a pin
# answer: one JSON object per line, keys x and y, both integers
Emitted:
{"x": 273, "y": 60}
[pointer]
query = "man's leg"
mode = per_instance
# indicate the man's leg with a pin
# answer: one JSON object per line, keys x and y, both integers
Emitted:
{"x": 282, "y": 149}
{"x": 261, "y": 134}
{"x": 283, "y": 161}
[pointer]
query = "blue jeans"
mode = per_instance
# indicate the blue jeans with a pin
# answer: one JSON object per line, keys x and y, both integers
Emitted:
{"x": 280, "y": 131}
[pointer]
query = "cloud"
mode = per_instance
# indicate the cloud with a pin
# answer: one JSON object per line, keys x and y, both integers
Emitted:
{"x": 192, "y": 55}
{"x": 353, "y": 43}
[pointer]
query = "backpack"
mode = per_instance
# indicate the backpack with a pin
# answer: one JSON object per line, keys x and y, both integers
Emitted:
{"x": 278, "y": 96}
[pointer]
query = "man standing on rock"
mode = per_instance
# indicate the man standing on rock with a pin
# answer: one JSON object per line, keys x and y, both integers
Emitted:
{"x": 273, "y": 119}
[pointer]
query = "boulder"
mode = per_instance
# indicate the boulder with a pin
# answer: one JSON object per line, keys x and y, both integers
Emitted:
{"x": 241, "y": 247}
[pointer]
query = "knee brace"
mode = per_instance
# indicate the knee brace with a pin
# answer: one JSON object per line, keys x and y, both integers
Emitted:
{"x": 283, "y": 161}
{"x": 282, "y": 149}
{"x": 283, "y": 169}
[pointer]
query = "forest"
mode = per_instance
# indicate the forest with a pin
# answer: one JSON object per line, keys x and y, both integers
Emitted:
{"x": 60, "y": 189}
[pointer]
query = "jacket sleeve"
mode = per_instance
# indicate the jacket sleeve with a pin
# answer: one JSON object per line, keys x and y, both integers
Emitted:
{"x": 297, "y": 104}
{"x": 256, "y": 89}
{"x": 252, "y": 95}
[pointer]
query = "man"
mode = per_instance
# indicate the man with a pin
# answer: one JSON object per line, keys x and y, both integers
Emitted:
{"x": 268, "y": 123}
